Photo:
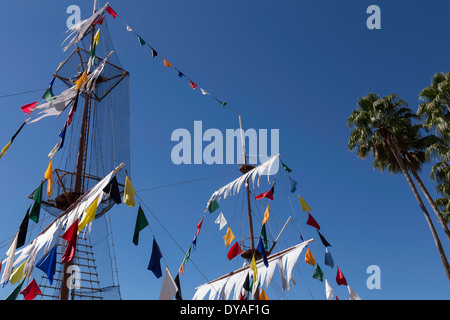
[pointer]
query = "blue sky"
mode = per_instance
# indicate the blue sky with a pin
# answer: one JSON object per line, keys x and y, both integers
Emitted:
{"x": 295, "y": 66}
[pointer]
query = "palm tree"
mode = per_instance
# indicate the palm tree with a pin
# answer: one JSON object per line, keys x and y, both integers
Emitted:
{"x": 436, "y": 109}
{"x": 383, "y": 127}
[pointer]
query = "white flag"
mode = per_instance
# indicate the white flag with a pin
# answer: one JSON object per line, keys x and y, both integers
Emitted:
{"x": 221, "y": 221}
{"x": 329, "y": 292}
{"x": 128, "y": 28}
{"x": 169, "y": 287}
{"x": 9, "y": 265}
{"x": 353, "y": 295}
{"x": 204, "y": 92}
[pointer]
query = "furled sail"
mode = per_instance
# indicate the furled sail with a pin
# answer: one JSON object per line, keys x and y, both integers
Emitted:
{"x": 222, "y": 287}
{"x": 269, "y": 167}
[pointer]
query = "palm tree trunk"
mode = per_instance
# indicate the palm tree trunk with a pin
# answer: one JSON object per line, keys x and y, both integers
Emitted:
{"x": 441, "y": 252}
{"x": 432, "y": 203}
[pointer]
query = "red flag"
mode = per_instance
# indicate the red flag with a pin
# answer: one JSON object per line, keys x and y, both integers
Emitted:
{"x": 192, "y": 84}
{"x": 99, "y": 21}
{"x": 340, "y": 279}
{"x": 27, "y": 108}
{"x": 71, "y": 236}
{"x": 199, "y": 226}
{"x": 268, "y": 194}
{"x": 312, "y": 222}
{"x": 234, "y": 251}
{"x": 31, "y": 290}
{"x": 111, "y": 11}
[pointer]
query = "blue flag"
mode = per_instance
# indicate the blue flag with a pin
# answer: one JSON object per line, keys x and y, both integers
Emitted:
{"x": 293, "y": 184}
{"x": 48, "y": 264}
{"x": 262, "y": 251}
{"x": 328, "y": 259}
{"x": 155, "y": 264}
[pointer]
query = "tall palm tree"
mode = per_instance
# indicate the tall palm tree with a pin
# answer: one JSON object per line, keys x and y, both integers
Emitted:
{"x": 436, "y": 109}
{"x": 383, "y": 127}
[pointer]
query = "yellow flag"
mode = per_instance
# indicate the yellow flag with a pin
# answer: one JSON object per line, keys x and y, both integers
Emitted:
{"x": 166, "y": 63}
{"x": 128, "y": 193}
{"x": 263, "y": 295}
{"x": 89, "y": 215}
{"x": 49, "y": 176}
{"x": 255, "y": 271}
{"x": 228, "y": 237}
{"x": 5, "y": 149}
{"x": 309, "y": 258}
{"x": 305, "y": 206}
{"x": 266, "y": 216}
{"x": 17, "y": 274}
{"x": 81, "y": 80}
{"x": 97, "y": 37}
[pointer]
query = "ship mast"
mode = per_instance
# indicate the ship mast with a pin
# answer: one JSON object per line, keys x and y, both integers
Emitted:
{"x": 80, "y": 168}
{"x": 248, "y": 254}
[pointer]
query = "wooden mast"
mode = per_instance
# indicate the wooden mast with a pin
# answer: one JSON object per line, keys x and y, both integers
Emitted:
{"x": 80, "y": 171}
{"x": 244, "y": 169}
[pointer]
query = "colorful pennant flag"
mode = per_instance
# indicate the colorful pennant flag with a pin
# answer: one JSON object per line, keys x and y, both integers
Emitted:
{"x": 285, "y": 167}
{"x": 48, "y": 264}
{"x": 234, "y": 251}
{"x": 245, "y": 292}
{"x": 111, "y": 11}
{"x": 166, "y": 63}
{"x": 305, "y": 206}
{"x": 340, "y": 279}
{"x": 229, "y": 236}
{"x": 70, "y": 236}
{"x": 112, "y": 191}
{"x": 312, "y": 222}
{"x": 261, "y": 250}
{"x": 17, "y": 273}
{"x": 353, "y": 294}
{"x": 15, "y": 293}
{"x": 5, "y": 149}
{"x": 82, "y": 80}
{"x": 199, "y": 226}
{"x": 328, "y": 258}
{"x": 318, "y": 274}
{"x": 155, "y": 260}
{"x": 27, "y": 108}
{"x": 23, "y": 229}
{"x": 221, "y": 221}
{"x": 324, "y": 241}
{"x": 97, "y": 37}
{"x": 213, "y": 206}
{"x": 141, "y": 41}
{"x": 154, "y": 53}
{"x": 36, "y": 209}
{"x": 268, "y": 194}
{"x": 293, "y": 185}
{"x": 309, "y": 258}
{"x": 264, "y": 237}
{"x": 328, "y": 290}
{"x": 178, "y": 296}
{"x": 169, "y": 287}
{"x": 141, "y": 223}
{"x": 89, "y": 214}
{"x": 255, "y": 271}
{"x": 129, "y": 193}
{"x": 31, "y": 290}
{"x": 99, "y": 21}
{"x": 192, "y": 84}
{"x": 263, "y": 295}
{"x": 266, "y": 216}
{"x": 49, "y": 176}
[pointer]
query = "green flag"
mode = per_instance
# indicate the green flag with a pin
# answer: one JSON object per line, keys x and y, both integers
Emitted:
{"x": 15, "y": 293}
{"x": 213, "y": 206}
{"x": 36, "y": 209}
{"x": 318, "y": 274}
{"x": 186, "y": 257}
{"x": 285, "y": 167}
{"x": 48, "y": 95}
{"x": 264, "y": 237}
{"x": 141, "y": 223}
{"x": 141, "y": 41}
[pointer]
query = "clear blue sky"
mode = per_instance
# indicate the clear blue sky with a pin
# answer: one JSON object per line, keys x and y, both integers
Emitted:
{"x": 296, "y": 66}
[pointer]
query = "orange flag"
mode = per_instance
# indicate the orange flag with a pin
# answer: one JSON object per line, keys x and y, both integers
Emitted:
{"x": 166, "y": 63}
{"x": 49, "y": 176}
{"x": 309, "y": 258}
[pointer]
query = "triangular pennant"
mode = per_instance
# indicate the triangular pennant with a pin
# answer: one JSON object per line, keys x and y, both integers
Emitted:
{"x": 309, "y": 258}
{"x": 192, "y": 84}
{"x": 17, "y": 273}
{"x": 312, "y": 222}
{"x": 36, "y": 209}
{"x": 255, "y": 270}
{"x": 23, "y": 229}
{"x": 15, "y": 293}
{"x": 89, "y": 214}
{"x": 340, "y": 279}
{"x": 31, "y": 290}
{"x": 229, "y": 236}
{"x": 264, "y": 237}
{"x": 141, "y": 223}
{"x": 48, "y": 264}
{"x": 27, "y": 108}
{"x": 324, "y": 241}
{"x": 285, "y": 167}
{"x": 266, "y": 215}
{"x": 268, "y": 194}
{"x": 5, "y": 149}
{"x": 221, "y": 221}
{"x": 111, "y": 11}
{"x": 167, "y": 63}
{"x": 234, "y": 251}
{"x": 70, "y": 236}
{"x": 178, "y": 296}
{"x": 129, "y": 193}
{"x": 213, "y": 206}
{"x": 293, "y": 185}
{"x": 328, "y": 258}
{"x": 305, "y": 206}
{"x": 199, "y": 226}
{"x": 263, "y": 295}
{"x": 49, "y": 176}
{"x": 318, "y": 274}
{"x": 112, "y": 191}
{"x": 154, "y": 53}
{"x": 141, "y": 41}
{"x": 261, "y": 250}
{"x": 155, "y": 260}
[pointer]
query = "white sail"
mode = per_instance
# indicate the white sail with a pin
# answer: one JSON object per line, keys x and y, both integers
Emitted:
{"x": 66, "y": 218}
{"x": 223, "y": 286}
{"x": 269, "y": 167}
